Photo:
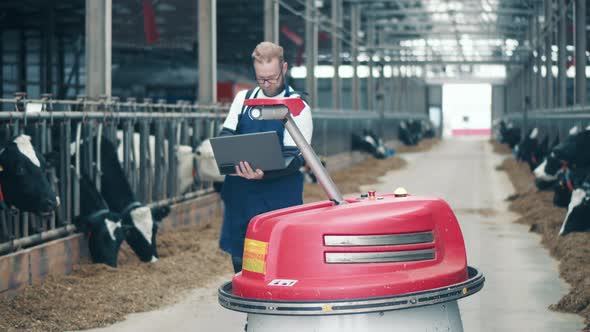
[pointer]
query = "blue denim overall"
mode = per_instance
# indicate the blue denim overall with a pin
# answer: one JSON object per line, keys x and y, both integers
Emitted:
{"x": 245, "y": 198}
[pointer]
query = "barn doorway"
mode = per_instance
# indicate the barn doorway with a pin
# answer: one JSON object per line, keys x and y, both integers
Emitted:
{"x": 467, "y": 109}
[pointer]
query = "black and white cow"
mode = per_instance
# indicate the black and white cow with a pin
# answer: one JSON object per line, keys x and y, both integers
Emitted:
{"x": 23, "y": 180}
{"x": 528, "y": 148}
{"x": 404, "y": 134}
{"x": 577, "y": 218}
{"x": 546, "y": 173}
{"x": 120, "y": 198}
{"x": 409, "y": 132}
{"x": 509, "y": 134}
{"x": 103, "y": 228}
{"x": 369, "y": 142}
{"x": 416, "y": 129}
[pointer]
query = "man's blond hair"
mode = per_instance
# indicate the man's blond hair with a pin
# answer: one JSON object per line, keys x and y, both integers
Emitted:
{"x": 266, "y": 51}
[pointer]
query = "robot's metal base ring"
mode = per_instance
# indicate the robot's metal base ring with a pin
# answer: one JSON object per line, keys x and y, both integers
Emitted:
{"x": 472, "y": 285}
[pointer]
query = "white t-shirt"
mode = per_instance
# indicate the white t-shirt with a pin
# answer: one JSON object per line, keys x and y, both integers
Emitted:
{"x": 303, "y": 120}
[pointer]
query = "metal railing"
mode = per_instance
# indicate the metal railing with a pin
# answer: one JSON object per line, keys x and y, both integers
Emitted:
{"x": 59, "y": 126}
{"x": 557, "y": 121}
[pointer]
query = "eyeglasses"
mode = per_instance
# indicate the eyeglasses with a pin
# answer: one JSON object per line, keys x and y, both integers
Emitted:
{"x": 271, "y": 80}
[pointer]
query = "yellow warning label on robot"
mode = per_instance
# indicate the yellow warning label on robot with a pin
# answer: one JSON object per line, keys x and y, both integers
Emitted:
{"x": 254, "y": 256}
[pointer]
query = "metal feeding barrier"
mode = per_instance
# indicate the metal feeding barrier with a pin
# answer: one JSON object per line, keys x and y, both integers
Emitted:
{"x": 552, "y": 122}
{"x": 60, "y": 126}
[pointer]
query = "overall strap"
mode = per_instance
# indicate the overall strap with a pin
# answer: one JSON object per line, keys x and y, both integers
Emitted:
{"x": 244, "y": 107}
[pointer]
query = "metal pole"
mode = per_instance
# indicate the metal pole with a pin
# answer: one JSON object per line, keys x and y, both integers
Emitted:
{"x": 172, "y": 143}
{"x": 314, "y": 162}
{"x": 509, "y": 88}
{"x": 50, "y": 42}
{"x": 145, "y": 168}
{"x": 548, "y": 51}
{"x": 61, "y": 64}
{"x": 311, "y": 33}
{"x": 522, "y": 90}
{"x": 281, "y": 112}
{"x": 271, "y": 21}
{"x": 507, "y": 94}
{"x": 393, "y": 91}
{"x": 336, "y": 50}
{"x": 354, "y": 28}
{"x": 539, "y": 83}
{"x": 370, "y": 80}
{"x": 98, "y": 48}
{"x": 404, "y": 96}
{"x": 561, "y": 55}
{"x": 381, "y": 100}
{"x": 526, "y": 73}
{"x": 580, "y": 53}
{"x": 22, "y": 62}
{"x": 207, "y": 92}
{"x": 1, "y": 63}
{"x": 531, "y": 64}
{"x": 36, "y": 238}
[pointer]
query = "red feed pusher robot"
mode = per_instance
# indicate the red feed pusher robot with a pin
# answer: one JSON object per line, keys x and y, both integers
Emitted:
{"x": 387, "y": 262}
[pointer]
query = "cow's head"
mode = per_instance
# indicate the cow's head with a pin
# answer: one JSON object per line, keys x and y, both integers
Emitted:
{"x": 510, "y": 135}
{"x": 552, "y": 165}
{"x": 544, "y": 180}
{"x": 578, "y": 212}
{"x": 103, "y": 228}
{"x": 141, "y": 235}
{"x": 23, "y": 180}
{"x": 528, "y": 149}
{"x": 105, "y": 233}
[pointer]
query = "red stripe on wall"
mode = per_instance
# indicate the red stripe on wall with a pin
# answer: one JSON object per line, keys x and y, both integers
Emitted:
{"x": 472, "y": 132}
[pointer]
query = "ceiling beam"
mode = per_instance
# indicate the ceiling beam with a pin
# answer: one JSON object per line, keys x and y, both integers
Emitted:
{"x": 451, "y": 33}
{"x": 423, "y": 11}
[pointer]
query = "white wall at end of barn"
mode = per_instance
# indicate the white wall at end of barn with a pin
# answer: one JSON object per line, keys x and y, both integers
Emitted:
{"x": 467, "y": 109}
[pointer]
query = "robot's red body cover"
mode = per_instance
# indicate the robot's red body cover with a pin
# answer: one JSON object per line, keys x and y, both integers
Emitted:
{"x": 373, "y": 247}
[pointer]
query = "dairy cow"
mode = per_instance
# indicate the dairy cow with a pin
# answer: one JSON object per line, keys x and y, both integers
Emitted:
{"x": 120, "y": 198}
{"x": 103, "y": 228}
{"x": 23, "y": 180}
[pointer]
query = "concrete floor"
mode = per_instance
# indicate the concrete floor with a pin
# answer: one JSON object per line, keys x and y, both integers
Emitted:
{"x": 521, "y": 279}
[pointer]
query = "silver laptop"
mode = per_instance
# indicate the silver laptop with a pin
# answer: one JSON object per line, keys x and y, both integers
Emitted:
{"x": 260, "y": 150}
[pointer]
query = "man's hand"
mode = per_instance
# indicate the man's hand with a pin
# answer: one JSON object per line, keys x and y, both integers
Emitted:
{"x": 244, "y": 170}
